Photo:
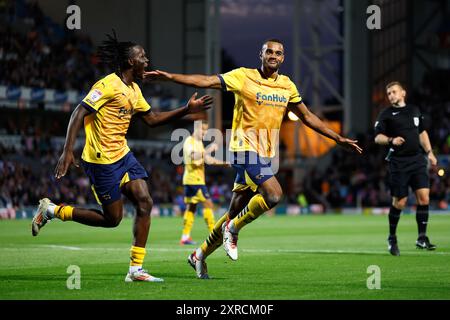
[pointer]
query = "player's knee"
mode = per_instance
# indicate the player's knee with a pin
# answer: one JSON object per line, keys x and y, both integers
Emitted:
{"x": 113, "y": 221}
{"x": 192, "y": 207}
{"x": 399, "y": 204}
{"x": 208, "y": 204}
{"x": 144, "y": 204}
{"x": 273, "y": 199}
{"x": 423, "y": 200}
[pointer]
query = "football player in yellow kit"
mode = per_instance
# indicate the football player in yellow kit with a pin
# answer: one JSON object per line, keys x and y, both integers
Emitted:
{"x": 262, "y": 97}
{"x": 195, "y": 156}
{"x": 113, "y": 170}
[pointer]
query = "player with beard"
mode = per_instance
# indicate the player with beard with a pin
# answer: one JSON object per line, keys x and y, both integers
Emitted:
{"x": 262, "y": 98}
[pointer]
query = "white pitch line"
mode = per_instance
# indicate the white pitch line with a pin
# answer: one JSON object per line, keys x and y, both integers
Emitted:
{"x": 269, "y": 251}
{"x": 53, "y": 246}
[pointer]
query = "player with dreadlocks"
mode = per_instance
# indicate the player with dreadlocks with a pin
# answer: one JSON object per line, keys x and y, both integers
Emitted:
{"x": 113, "y": 170}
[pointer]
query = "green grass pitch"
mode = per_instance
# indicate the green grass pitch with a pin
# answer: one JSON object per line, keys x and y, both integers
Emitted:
{"x": 280, "y": 258}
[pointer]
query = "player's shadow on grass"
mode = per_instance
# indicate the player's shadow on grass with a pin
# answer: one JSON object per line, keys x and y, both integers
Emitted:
{"x": 191, "y": 276}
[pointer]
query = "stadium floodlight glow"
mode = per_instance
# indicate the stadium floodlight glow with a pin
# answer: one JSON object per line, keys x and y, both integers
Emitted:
{"x": 441, "y": 172}
{"x": 292, "y": 116}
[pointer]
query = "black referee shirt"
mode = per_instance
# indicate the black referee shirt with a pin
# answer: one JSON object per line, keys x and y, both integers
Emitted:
{"x": 406, "y": 122}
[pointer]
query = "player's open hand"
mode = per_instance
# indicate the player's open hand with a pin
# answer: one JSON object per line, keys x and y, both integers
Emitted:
{"x": 157, "y": 75}
{"x": 350, "y": 145}
{"x": 198, "y": 105}
{"x": 66, "y": 159}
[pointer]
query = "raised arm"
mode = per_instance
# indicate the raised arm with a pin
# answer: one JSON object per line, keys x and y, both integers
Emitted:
{"x": 312, "y": 121}
{"x": 67, "y": 158}
{"x": 193, "y": 80}
{"x": 154, "y": 119}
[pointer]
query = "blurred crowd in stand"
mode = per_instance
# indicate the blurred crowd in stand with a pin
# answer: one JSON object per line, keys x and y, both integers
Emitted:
{"x": 37, "y": 52}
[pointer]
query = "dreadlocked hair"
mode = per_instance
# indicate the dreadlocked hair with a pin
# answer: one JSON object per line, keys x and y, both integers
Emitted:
{"x": 115, "y": 54}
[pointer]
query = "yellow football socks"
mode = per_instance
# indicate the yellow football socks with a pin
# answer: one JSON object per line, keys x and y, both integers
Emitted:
{"x": 208, "y": 215}
{"x": 137, "y": 255}
{"x": 214, "y": 239}
{"x": 64, "y": 212}
{"x": 188, "y": 222}
{"x": 256, "y": 207}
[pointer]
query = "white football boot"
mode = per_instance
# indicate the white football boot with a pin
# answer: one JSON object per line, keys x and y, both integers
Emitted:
{"x": 230, "y": 241}
{"x": 41, "y": 216}
{"x": 199, "y": 266}
{"x": 141, "y": 276}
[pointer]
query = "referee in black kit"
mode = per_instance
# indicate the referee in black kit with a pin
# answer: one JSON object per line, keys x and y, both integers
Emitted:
{"x": 401, "y": 127}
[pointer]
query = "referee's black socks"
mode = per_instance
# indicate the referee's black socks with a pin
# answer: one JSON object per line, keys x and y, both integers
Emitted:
{"x": 394, "y": 217}
{"x": 422, "y": 220}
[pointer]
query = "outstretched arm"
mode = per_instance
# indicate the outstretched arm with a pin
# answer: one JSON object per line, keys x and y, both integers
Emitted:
{"x": 154, "y": 119}
{"x": 67, "y": 158}
{"x": 312, "y": 121}
{"x": 193, "y": 80}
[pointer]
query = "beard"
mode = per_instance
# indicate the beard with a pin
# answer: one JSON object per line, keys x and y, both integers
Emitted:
{"x": 273, "y": 67}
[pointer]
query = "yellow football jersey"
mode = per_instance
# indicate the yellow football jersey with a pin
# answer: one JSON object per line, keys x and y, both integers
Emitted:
{"x": 112, "y": 104}
{"x": 194, "y": 170}
{"x": 260, "y": 105}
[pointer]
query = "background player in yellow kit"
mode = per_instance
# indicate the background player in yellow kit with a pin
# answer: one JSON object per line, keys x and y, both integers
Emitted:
{"x": 106, "y": 112}
{"x": 195, "y": 191}
{"x": 262, "y": 97}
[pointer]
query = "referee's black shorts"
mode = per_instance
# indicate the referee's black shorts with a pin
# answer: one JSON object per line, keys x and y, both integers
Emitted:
{"x": 408, "y": 171}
